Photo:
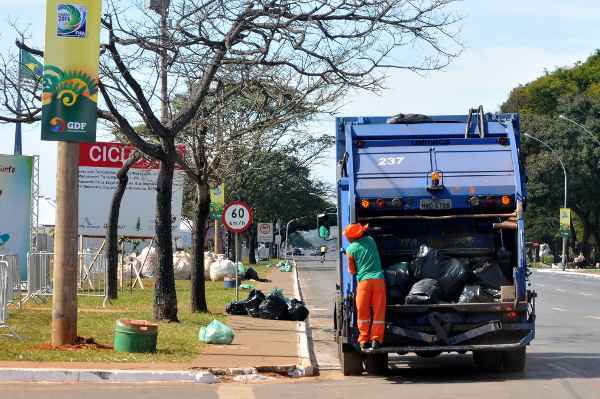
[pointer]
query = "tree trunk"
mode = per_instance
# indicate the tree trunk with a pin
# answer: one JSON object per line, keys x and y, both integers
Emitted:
{"x": 252, "y": 236}
{"x": 112, "y": 232}
{"x": 165, "y": 295}
{"x": 201, "y": 212}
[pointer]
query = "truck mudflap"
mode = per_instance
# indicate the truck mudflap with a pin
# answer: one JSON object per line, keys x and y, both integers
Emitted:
{"x": 442, "y": 343}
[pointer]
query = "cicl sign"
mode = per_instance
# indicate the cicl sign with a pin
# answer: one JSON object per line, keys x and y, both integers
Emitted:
{"x": 237, "y": 217}
{"x": 265, "y": 232}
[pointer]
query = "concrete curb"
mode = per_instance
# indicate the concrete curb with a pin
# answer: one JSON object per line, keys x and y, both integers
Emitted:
{"x": 591, "y": 275}
{"x": 119, "y": 376}
{"x": 308, "y": 366}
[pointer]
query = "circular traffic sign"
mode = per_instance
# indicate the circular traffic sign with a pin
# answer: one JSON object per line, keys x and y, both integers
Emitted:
{"x": 237, "y": 216}
{"x": 265, "y": 228}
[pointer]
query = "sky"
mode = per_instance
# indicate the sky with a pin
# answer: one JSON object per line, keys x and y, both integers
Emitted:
{"x": 506, "y": 43}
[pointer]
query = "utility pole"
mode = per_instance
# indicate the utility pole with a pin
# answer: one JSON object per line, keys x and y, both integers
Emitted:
{"x": 64, "y": 303}
{"x": 18, "y": 150}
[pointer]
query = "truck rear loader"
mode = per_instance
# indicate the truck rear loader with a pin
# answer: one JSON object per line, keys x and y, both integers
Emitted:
{"x": 452, "y": 183}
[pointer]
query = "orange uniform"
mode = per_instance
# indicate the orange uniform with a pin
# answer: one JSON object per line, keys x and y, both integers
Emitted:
{"x": 364, "y": 262}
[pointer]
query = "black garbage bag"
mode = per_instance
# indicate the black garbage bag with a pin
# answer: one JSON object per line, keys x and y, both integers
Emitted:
{"x": 255, "y": 298}
{"x": 424, "y": 292}
{"x": 297, "y": 310}
{"x": 395, "y": 296}
{"x": 432, "y": 265}
{"x": 237, "y": 308}
{"x": 487, "y": 273}
{"x": 479, "y": 294}
{"x": 397, "y": 281}
{"x": 274, "y": 307}
{"x": 251, "y": 274}
{"x": 454, "y": 278}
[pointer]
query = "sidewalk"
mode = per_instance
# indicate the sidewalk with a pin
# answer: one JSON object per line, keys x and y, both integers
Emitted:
{"x": 258, "y": 342}
{"x": 570, "y": 272}
{"x": 259, "y": 345}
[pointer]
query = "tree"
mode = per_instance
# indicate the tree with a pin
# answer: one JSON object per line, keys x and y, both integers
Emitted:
{"x": 112, "y": 231}
{"x": 575, "y": 93}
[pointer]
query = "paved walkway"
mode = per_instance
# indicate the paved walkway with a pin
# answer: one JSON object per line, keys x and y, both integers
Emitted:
{"x": 258, "y": 342}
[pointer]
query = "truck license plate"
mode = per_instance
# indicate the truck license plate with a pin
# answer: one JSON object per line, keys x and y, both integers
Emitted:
{"x": 435, "y": 204}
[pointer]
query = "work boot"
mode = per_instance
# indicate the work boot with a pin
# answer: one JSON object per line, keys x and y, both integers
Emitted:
{"x": 364, "y": 346}
{"x": 375, "y": 345}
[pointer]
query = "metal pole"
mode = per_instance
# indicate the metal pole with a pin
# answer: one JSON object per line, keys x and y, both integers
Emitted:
{"x": 592, "y": 135}
{"x": 564, "y": 239}
{"x": 18, "y": 150}
{"x": 237, "y": 248}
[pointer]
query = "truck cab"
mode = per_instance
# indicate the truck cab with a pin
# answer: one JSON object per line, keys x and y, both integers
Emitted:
{"x": 452, "y": 183}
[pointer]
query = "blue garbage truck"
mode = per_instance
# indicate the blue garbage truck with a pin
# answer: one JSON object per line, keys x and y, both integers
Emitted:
{"x": 452, "y": 186}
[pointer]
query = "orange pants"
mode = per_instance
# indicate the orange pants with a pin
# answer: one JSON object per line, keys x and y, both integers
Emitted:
{"x": 370, "y": 294}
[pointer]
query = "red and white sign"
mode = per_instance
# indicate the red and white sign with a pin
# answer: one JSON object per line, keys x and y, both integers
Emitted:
{"x": 265, "y": 232}
{"x": 237, "y": 217}
{"x": 98, "y": 167}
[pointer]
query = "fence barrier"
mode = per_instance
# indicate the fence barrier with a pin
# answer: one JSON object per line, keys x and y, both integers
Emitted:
{"x": 91, "y": 275}
{"x": 6, "y": 291}
{"x": 14, "y": 278}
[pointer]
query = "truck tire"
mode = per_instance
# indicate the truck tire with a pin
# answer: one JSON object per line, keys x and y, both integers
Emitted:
{"x": 376, "y": 364}
{"x": 515, "y": 360}
{"x": 350, "y": 360}
{"x": 488, "y": 360}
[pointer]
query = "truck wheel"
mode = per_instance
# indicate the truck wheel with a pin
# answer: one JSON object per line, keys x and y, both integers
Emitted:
{"x": 488, "y": 360}
{"x": 514, "y": 361}
{"x": 376, "y": 364}
{"x": 350, "y": 360}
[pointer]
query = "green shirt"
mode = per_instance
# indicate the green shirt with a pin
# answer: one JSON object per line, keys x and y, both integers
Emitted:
{"x": 366, "y": 258}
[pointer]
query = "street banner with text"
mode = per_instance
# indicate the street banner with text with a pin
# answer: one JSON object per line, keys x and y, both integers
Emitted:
{"x": 70, "y": 79}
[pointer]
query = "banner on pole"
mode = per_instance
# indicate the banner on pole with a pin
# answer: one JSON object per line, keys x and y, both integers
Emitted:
{"x": 217, "y": 201}
{"x": 565, "y": 222}
{"x": 15, "y": 207}
{"x": 72, "y": 50}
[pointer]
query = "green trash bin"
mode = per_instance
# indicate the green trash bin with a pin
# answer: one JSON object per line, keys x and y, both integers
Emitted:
{"x": 135, "y": 336}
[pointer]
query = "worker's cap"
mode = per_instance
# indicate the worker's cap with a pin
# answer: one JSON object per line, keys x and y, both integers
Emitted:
{"x": 355, "y": 231}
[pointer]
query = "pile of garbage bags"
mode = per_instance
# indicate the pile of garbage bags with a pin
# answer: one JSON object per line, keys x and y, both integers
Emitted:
{"x": 433, "y": 277}
{"x": 273, "y": 306}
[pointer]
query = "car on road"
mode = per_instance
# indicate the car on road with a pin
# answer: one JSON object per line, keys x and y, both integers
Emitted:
{"x": 298, "y": 252}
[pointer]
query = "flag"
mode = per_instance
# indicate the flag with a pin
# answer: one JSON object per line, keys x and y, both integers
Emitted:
{"x": 31, "y": 68}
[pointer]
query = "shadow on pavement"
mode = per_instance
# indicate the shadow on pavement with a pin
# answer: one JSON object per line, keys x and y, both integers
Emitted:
{"x": 461, "y": 369}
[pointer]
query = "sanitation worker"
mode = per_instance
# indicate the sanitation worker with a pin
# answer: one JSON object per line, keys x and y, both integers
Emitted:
{"x": 364, "y": 262}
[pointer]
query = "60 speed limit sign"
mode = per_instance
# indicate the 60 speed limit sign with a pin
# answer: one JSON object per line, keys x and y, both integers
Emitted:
{"x": 237, "y": 216}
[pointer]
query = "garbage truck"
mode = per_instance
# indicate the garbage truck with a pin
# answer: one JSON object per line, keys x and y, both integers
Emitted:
{"x": 444, "y": 198}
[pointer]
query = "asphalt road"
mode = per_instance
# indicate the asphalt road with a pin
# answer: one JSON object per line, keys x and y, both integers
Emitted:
{"x": 563, "y": 362}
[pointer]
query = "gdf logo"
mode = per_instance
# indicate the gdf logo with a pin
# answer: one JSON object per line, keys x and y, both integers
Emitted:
{"x": 76, "y": 125}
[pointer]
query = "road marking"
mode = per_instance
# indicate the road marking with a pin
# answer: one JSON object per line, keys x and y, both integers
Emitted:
{"x": 559, "y": 309}
{"x": 561, "y": 290}
{"x": 592, "y": 317}
{"x": 541, "y": 285}
{"x": 585, "y": 294}
{"x": 319, "y": 309}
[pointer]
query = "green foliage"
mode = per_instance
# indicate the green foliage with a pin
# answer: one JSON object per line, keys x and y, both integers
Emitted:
{"x": 574, "y": 92}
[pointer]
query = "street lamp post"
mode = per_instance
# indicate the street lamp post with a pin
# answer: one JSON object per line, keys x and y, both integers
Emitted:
{"x": 564, "y": 239}
{"x": 592, "y": 135}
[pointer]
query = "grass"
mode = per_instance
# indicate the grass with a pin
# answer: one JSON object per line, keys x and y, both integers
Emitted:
{"x": 177, "y": 342}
